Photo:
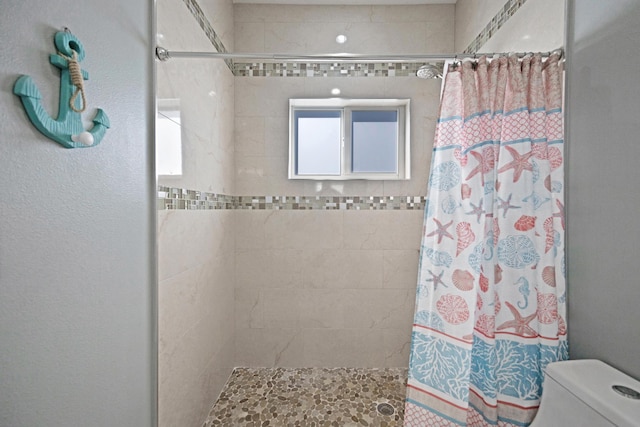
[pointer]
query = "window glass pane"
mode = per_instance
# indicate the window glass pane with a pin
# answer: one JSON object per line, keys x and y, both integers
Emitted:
{"x": 318, "y": 142}
{"x": 374, "y": 137}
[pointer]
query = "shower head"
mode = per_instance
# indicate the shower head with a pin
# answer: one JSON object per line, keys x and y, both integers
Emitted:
{"x": 429, "y": 71}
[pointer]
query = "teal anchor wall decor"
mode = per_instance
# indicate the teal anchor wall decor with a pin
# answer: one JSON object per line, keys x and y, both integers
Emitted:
{"x": 67, "y": 129}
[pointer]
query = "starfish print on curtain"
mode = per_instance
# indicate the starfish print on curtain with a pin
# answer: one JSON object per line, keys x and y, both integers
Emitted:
{"x": 519, "y": 164}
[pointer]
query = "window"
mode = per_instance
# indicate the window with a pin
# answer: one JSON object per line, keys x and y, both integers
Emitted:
{"x": 340, "y": 139}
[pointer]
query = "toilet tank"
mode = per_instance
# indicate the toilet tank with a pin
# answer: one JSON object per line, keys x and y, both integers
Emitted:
{"x": 580, "y": 393}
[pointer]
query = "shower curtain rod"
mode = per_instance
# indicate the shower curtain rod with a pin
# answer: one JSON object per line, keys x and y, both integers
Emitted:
{"x": 163, "y": 55}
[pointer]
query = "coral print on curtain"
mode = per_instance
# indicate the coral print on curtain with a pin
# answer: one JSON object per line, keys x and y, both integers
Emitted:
{"x": 490, "y": 309}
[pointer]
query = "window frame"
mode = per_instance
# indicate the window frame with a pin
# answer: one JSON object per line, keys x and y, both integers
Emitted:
{"x": 346, "y": 106}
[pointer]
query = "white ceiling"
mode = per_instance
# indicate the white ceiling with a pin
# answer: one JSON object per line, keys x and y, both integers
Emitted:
{"x": 348, "y": 2}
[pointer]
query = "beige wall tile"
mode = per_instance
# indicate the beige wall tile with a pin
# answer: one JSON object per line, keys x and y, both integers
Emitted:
{"x": 278, "y": 182}
{"x": 196, "y": 249}
{"x": 181, "y": 372}
{"x": 250, "y": 228}
{"x": 249, "y": 37}
{"x": 343, "y": 188}
{"x": 343, "y": 347}
{"x": 322, "y": 308}
{"x": 397, "y": 347}
{"x": 401, "y": 269}
{"x": 269, "y": 268}
{"x": 250, "y": 175}
{"x": 287, "y": 267}
{"x": 439, "y": 37}
{"x": 253, "y": 268}
{"x": 181, "y": 303}
{"x": 382, "y": 229}
{"x": 249, "y": 136}
{"x": 404, "y": 229}
{"x": 281, "y": 308}
{"x": 364, "y": 14}
{"x": 266, "y": 96}
{"x": 211, "y": 234}
{"x": 379, "y": 309}
{"x": 205, "y": 94}
{"x": 215, "y": 377}
{"x": 276, "y": 137}
{"x": 352, "y": 87}
{"x": 304, "y": 229}
{"x": 364, "y": 229}
{"x": 269, "y": 347}
{"x": 248, "y": 308}
{"x": 343, "y": 269}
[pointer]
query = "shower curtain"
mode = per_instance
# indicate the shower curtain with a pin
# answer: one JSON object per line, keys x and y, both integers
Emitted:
{"x": 490, "y": 308}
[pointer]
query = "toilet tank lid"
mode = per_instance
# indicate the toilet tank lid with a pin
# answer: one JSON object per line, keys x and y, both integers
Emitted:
{"x": 591, "y": 381}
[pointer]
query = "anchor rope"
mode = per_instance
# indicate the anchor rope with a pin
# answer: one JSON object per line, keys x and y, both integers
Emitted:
{"x": 78, "y": 81}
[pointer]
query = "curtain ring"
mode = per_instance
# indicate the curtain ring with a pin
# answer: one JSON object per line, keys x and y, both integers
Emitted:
{"x": 455, "y": 62}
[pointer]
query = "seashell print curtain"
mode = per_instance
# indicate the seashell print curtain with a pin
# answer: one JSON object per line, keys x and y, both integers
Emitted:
{"x": 490, "y": 307}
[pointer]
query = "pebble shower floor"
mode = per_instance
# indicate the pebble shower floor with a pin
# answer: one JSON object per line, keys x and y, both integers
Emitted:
{"x": 310, "y": 397}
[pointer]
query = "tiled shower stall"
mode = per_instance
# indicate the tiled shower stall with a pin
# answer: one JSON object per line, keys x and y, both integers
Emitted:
{"x": 257, "y": 270}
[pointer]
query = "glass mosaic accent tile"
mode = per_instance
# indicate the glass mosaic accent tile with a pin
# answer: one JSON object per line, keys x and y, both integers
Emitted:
{"x": 326, "y": 69}
{"x": 184, "y": 199}
{"x": 331, "y": 202}
{"x": 503, "y": 15}
{"x": 311, "y": 397}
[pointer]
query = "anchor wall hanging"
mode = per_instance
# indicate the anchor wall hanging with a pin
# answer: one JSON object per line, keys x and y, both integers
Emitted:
{"x": 67, "y": 129}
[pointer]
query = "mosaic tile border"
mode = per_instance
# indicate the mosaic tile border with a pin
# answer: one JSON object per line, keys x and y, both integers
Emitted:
{"x": 170, "y": 198}
{"x": 500, "y": 18}
{"x": 331, "y": 202}
{"x": 324, "y": 69}
{"x": 206, "y": 26}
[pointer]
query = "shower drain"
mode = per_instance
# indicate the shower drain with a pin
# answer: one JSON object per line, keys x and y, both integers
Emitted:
{"x": 385, "y": 409}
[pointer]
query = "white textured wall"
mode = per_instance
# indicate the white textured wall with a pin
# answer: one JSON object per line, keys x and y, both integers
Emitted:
{"x": 328, "y": 288}
{"x": 77, "y": 269}
{"x": 196, "y": 248}
{"x": 603, "y": 101}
